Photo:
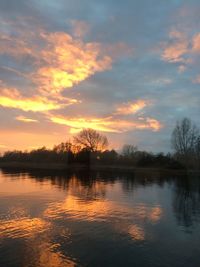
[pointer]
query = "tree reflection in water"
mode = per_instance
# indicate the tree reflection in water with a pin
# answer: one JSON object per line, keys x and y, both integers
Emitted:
{"x": 186, "y": 201}
{"x": 92, "y": 185}
{"x": 76, "y": 217}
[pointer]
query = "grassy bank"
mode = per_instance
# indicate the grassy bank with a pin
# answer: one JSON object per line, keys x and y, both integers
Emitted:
{"x": 62, "y": 166}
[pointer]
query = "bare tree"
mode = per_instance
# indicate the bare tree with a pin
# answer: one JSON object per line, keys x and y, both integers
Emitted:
{"x": 91, "y": 140}
{"x": 63, "y": 147}
{"x": 184, "y": 139}
{"x": 129, "y": 150}
{"x": 197, "y": 151}
{"x": 67, "y": 147}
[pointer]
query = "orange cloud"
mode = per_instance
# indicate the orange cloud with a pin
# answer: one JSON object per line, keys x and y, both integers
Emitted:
{"x": 35, "y": 104}
{"x": 59, "y": 59}
{"x": 25, "y": 119}
{"x": 153, "y": 124}
{"x": 14, "y": 46}
{"x": 131, "y": 108}
{"x": 81, "y": 123}
{"x": 67, "y": 62}
{"x": 196, "y": 43}
{"x": 109, "y": 124}
{"x": 173, "y": 53}
{"x": 11, "y": 98}
{"x": 181, "y": 45}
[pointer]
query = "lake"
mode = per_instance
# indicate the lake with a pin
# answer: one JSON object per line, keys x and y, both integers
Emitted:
{"x": 84, "y": 218}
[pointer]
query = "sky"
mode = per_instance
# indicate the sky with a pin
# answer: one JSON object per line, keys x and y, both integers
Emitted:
{"x": 128, "y": 69}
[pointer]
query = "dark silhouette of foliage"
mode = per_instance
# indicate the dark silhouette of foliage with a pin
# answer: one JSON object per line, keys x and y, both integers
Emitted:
{"x": 91, "y": 140}
{"x": 89, "y": 146}
{"x": 185, "y": 141}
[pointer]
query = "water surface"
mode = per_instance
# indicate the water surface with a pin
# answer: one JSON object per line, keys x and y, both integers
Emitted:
{"x": 99, "y": 219}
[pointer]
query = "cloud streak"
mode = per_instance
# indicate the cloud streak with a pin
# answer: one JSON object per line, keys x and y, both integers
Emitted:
{"x": 35, "y": 104}
{"x": 109, "y": 124}
{"x": 25, "y": 119}
{"x": 131, "y": 108}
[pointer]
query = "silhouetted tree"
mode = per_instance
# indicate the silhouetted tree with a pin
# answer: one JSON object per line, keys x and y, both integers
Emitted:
{"x": 184, "y": 138}
{"x": 197, "y": 151}
{"x": 63, "y": 147}
{"x": 91, "y": 140}
{"x": 108, "y": 157}
{"x": 129, "y": 150}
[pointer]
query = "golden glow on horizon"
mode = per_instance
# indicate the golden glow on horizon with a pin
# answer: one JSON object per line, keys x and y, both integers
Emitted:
{"x": 29, "y": 140}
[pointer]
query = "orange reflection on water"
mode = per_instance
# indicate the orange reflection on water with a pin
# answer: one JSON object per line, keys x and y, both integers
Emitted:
{"x": 155, "y": 214}
{"x": 51, "y": 235}
{"x": 152, "y": 214}
{"x": 90, "y": 210}
{"x": 137, "y": 233}
{"x": 92, "y": 191}
{"x": 44, "y": 253}
{"x": 48, "y": 257}
{"x": 89, "y": 202}
{"x": 23, "y": 227}
{"x": 21, "y": 184}
{"x": 86, "y": 202}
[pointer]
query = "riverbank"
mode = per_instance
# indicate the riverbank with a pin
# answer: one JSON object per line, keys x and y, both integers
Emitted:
{"x": 64, "y": 167}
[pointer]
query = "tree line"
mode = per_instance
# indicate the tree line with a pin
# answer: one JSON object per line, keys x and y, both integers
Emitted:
{"x": 90, "y": 147}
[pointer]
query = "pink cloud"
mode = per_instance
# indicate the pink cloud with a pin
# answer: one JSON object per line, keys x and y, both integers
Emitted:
{"x": 196, "y": 43}
{"x": 178, "y": 47}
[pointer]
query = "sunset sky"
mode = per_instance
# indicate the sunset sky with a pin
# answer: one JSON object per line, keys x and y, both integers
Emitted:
{"x": 129, "y": 69}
